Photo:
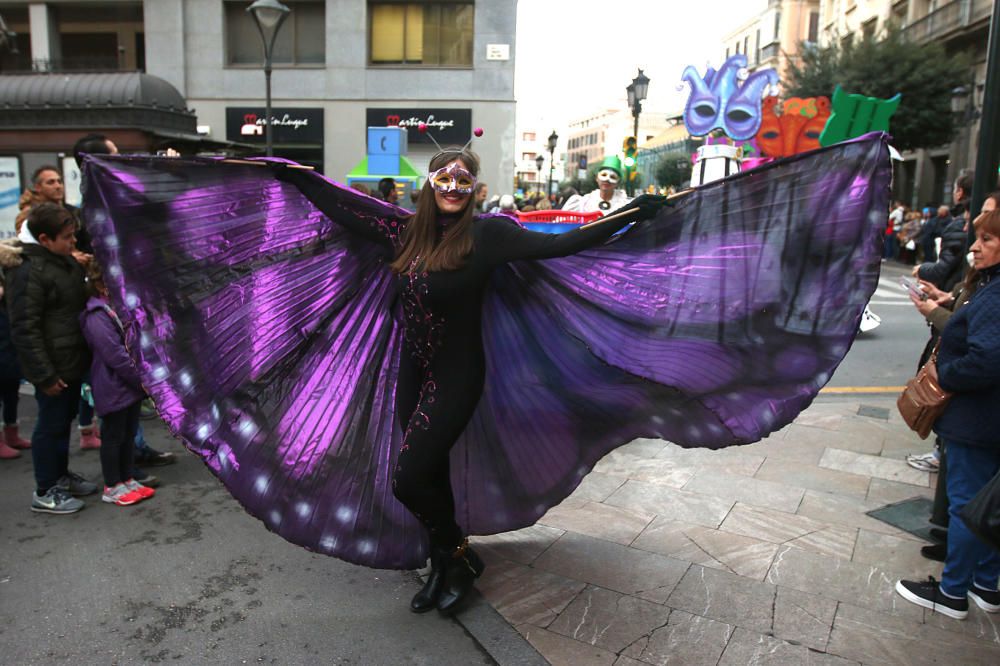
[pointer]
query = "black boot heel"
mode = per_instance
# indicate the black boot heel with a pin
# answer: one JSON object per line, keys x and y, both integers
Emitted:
{"x": 427, "y": 598}
{"x": 464, "y": 567}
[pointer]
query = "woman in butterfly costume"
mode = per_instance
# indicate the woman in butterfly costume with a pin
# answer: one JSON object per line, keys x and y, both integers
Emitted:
{"x": 443, "y": 257}
{"x": 282, "y": 327}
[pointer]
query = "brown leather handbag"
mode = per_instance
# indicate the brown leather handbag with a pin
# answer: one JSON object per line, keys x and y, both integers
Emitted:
{"x": 923, "y": 400}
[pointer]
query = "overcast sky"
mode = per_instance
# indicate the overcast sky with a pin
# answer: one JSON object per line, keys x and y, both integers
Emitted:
{"x": 574, "y": 58}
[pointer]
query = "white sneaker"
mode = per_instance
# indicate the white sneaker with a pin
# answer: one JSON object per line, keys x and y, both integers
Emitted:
{"x": 927, "y": 462}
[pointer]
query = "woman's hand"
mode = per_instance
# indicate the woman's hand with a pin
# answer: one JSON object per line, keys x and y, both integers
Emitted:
{"x": 924, "y": 305}
{"x": 915, "y": 270}
{"x": 647, "y": 206}
{"x": 935, "y": 294}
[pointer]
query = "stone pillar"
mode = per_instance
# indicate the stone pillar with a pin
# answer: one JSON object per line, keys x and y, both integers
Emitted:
{"x": 44, "y": 36}
{"x": 163, "y": 21}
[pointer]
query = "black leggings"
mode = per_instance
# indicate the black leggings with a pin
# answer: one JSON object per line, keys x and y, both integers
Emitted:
{"x": 433, "y": 408}
{"x": 117, "y": 444}
{"x": 9, "y": 394}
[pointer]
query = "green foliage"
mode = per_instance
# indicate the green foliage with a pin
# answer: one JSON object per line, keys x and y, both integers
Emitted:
{"x": 674, "y": 170}
{"x": 924, "y": 73}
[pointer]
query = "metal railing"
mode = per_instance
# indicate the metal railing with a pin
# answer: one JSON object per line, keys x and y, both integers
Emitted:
{"x": 947, "y": 18}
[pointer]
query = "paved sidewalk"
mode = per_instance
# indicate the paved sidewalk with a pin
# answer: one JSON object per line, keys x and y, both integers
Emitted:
{"x": 759, "y": 554}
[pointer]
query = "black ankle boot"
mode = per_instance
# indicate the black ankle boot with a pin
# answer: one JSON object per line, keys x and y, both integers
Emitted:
{"x": 464, "y": 567}
{"x": 427, "y": 598}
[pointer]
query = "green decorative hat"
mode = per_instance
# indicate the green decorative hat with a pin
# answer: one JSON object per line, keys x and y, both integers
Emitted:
{"x": 612, "y": 162}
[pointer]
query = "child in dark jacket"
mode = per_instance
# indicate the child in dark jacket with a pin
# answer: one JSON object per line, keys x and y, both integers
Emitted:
{"x": 45, "y": 296}
{"x": 117, "y": 393}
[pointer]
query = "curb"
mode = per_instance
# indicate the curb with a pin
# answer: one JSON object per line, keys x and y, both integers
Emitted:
{"x": 496, "y": 636}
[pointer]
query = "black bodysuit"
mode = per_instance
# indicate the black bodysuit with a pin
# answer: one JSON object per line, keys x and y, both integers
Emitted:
{"x": 443, "y": 367}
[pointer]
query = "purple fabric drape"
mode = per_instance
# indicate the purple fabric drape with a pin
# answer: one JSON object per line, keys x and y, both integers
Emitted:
{"x": 268, "y": 336}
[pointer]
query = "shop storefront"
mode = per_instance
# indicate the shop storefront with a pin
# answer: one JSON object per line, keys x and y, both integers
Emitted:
{"x": 297, "y": 133}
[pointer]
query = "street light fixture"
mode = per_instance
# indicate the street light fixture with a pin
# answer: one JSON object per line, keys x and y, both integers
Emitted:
{"x": 268, "y": 15}
{"x": 636, "y": 92}
{"x": 553, "y": 140}
{"x": 539, "y": 161}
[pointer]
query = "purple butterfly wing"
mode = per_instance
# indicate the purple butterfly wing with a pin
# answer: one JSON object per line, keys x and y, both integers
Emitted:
{"x": 711, "y": 325}
{"x": 253, "y": 318}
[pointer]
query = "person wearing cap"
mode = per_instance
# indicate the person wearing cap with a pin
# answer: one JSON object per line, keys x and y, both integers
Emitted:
{"x": 607, "y": 196}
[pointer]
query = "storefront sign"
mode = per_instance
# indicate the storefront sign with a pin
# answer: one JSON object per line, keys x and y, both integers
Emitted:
{"x": 10, "y": 192}
{"x": 290, "y": 126}
{"x": 448, "y": 125}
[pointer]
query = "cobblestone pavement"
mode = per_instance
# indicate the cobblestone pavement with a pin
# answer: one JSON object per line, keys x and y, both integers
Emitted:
{"x": 759, "y": 554}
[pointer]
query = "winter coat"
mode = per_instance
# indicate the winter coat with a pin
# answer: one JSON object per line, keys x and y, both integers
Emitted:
{"x": 10, "y": 256}
{"x": 969, "y": 366}
{"x": 113, "y": 376}
{"x": 45, "y": 296}
{"x": 948, "y": 269}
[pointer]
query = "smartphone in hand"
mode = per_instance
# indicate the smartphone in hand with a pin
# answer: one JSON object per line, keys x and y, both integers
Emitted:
{"x": 913, "y": 287}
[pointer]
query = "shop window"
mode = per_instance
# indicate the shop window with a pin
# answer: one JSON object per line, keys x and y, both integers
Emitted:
{"x": 436, "y": 34}
{"x": 301, "y": 40}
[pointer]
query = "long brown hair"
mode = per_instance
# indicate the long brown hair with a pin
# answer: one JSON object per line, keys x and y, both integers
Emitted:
{"x": 421, "y": 248}
{"x": 990, "y": 222}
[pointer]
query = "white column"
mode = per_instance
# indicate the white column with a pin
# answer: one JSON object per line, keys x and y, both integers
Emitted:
{"x": 44, "y": 35}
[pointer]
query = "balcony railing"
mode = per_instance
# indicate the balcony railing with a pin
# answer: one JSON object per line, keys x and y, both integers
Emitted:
{"x": 948, "y": 18}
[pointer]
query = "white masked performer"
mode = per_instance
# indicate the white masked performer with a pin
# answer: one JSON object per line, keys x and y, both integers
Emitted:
{"x": 607, "y": 196}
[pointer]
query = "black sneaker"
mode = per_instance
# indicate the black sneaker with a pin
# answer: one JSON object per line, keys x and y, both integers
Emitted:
{"x": 937, "y": 552}
{"x": 76, "y": 485}
{"x": 928, "y": 594}
{"x": 145, "y": 478}
{"x": 988, "y": 600}
{"x": 55, "y": 500}
{"x": 150, "y": 457}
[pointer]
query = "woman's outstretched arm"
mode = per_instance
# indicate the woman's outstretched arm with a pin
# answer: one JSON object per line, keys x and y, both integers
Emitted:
{"x": 368, "y": 218}
{"x": 505, "y": 241}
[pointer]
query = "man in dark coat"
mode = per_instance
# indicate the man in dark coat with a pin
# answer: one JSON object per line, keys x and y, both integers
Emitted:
{"x": 950, "y": 266}
{"x": 46, "y": 295}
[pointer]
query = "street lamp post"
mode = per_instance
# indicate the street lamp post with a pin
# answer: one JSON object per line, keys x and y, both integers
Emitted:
{"x": 553, "y": 140}
{"x": 268, "y": 15}
{"x": 636, "y": 92}
{"x": 539, "y": 161}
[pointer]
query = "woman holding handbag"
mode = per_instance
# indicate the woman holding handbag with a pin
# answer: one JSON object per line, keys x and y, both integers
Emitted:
{"x": 968, "y": 366}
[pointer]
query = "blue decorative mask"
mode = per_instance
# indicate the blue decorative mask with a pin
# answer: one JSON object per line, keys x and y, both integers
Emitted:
{"x": 718, "y": 101}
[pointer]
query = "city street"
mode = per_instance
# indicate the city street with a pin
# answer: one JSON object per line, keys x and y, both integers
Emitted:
{"x": 886, "y": 356}
{"x": 283, "y": 222}
{"x": 188, "y": 577}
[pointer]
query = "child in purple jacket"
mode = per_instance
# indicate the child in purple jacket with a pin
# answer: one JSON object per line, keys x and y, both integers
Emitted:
{"x": 117, "y": 393}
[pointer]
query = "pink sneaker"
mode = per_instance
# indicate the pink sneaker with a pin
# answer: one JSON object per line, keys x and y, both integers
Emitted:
{"x": 89, "y": 439}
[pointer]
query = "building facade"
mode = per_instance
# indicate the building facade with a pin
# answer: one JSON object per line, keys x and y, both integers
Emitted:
{"x": 531, "y": 143}
{"x": 774, "y": 37}
{"x": 590, "y": 139}
{"x": 339, "y": 67}
{"x": 925, "y": 176}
